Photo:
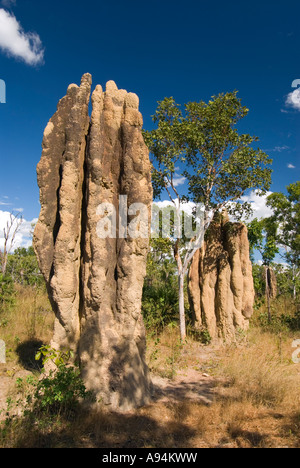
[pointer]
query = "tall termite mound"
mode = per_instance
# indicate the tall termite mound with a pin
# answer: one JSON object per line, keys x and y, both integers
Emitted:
{"x": 95, "y": 281}
{"x": 220, "y": 282}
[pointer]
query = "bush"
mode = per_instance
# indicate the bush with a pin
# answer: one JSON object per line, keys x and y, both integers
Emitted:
{"x": 60, "y": 392}
{"x": 7, "y": 290}
{"x": 280, "y": 322}
{"x": 201, "y": 335}
{"x": 57, "y": 393}
{"x": 23, "y": 268}
{"x": 293, "y": 321}
{"x": 62, "y": 389}
{"x": 159, "y": 306}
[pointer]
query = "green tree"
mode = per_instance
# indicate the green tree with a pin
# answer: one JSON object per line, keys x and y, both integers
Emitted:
{"x": 219, "y": 164}
{"x": 7, "y": 290}
{"x": 160, "y": 298}
{"x": 262, "y": 235}
{"x": 23, "y": 268}
{"x": 258, "y": 280}
{"x": 287, "y": 284}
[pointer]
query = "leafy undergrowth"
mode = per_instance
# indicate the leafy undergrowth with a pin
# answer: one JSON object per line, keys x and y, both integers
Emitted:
{"x": 254, "y": 403}
{"x": 246, "y": 395}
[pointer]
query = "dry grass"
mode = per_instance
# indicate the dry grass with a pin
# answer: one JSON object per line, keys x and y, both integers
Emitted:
{"x": 261, "y": 397}
{"x": 170, "y": 425}
{"x": 262, "y": 372}
{"x": 26, "y": 325}
{"x": 255, "y": 389}
{"x": 164, "y": 351}
{"x": 257, "y": 395}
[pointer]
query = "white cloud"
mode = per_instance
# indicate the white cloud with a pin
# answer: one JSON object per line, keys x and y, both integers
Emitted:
{"x": 23, "y": 237}
{"x": 258, "y": 204}
{"x": 291, "y": 166}
{"x": 279, "y": 149}
{"x": 16, "y": 43}
{"x": 178, "y": 181}
{"x": 187, "y": 207}
{"x": 293, "y": 99}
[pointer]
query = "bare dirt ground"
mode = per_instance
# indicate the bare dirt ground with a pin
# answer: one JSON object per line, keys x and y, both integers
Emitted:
{"x": 191, "y": 380}
{"x": 5, "y": 383}
{"x": 188, "y": 384}
{"x": 8, "y": 377}
{"x": 192, "y": 407}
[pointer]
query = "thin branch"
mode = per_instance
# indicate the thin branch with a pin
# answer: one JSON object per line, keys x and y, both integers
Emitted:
{"x": 10, "y": 232}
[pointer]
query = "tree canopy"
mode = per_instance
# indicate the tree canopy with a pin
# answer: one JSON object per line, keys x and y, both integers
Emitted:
{"x": 286, "y": 210}
{"x": 219, "y": 164}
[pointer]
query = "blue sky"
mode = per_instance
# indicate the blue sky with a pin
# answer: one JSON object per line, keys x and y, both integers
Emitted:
{"x": 190, "y": 50}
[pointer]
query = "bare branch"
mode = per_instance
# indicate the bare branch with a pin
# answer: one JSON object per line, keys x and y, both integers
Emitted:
{"x": 10, "y": 231}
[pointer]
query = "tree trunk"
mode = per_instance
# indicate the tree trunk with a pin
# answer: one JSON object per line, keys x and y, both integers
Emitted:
{"x": 10, "y": 232}
{"x": 294, "y": 278}
{"x": 181, "y": 305}
{"x": 3, "y": 256}
{"x": 268, "y": 294}
{"x": 4, "y": 261}
{"x": 181, "y": 273}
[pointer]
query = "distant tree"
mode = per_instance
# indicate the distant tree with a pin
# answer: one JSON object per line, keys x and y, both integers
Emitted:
{"x": 287, "y": 284}
{"x": 160, "y": 300}
{"x": 23, "y": 268}
{"x": 219, "y": 164}
{"x": 258, "y": 280}
{"x": 7, "y": 290}
{"x": 286, "y": 210}
{"x": 262, "y": 235}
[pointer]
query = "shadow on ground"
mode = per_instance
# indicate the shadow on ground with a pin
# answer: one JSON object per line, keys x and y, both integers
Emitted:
{"x": 185, "y": 413}
{"x": 26, "y": 352}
